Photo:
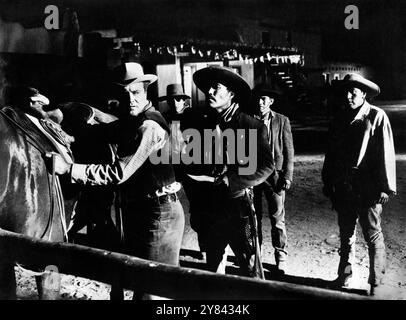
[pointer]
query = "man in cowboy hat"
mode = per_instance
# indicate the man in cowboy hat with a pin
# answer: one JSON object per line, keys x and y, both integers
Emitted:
{"x": 177, "y": 102}
{"x": 359, "y": 175}
{"x": 153, "y": 219}
{"x": 181, "y": 117}
{"x": 176, "y": 99}
{"x": 281, "y": 143}
{"x": 232, "y": 223}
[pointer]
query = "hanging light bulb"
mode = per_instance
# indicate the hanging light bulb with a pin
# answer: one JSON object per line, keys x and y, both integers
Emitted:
{"x": 268, "y": 56}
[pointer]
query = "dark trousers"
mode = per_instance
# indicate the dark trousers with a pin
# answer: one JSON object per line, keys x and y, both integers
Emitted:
{"x": 200, "y": 195}
{"x": 352, "y": 208}
{"x": 154, "y": 231}
{"x": 276, "y": 212}
{"x": 232, "y": 226}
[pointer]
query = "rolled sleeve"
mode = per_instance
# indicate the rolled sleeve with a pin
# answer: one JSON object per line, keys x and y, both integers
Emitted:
{"x": 153, "y": 138}
{"x": 78, "y": 173}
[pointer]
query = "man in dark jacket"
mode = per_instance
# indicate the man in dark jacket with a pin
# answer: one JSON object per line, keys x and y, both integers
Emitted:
{"x": 281, "y": 143}
{"x": 232, "y": 222}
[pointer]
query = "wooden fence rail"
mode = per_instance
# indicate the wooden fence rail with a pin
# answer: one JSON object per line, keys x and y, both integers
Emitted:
{"x": 151, "y": 277}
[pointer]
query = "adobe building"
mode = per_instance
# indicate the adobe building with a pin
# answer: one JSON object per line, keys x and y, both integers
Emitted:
{"x": 295, "y": 46}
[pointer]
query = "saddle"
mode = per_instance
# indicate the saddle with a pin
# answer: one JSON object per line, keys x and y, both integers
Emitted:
{"x": 19, "y": 119}
{"x": 39, "y": 139}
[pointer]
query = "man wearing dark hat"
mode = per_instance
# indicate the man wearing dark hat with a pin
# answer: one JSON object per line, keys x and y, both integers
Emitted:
{"x": 153, "y": 219}
{"x": 181, "y": 117}
{"x": 281, "y": 143}
{"x": 359, "y": 175}
{"x": 232, "y": 223}
{"x": 177, "y": 103}
{"x": 176, "y": 99}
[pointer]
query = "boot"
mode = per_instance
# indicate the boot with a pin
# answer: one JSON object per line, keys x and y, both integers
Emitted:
{"x": 377, "y": 265}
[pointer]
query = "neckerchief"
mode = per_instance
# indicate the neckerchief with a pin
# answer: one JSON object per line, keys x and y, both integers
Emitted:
{"x": 228, "y": 114}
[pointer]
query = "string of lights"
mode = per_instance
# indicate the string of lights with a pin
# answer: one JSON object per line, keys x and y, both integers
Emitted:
{"x": 217, "y": 51}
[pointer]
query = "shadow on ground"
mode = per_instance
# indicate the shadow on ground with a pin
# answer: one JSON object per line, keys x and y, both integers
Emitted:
{"x": 270, "y": 270}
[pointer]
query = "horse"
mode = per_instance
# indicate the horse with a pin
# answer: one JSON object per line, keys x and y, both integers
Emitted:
{"x": 31, "y": 199}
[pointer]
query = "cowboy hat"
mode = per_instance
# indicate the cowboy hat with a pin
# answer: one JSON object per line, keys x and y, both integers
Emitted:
{"x": 22, "y": 94}
{"x": 204, "y": 79}
{"x": 38, "y": 97}
{"x": 358, "y": 81}
{"x": 131, "y": 72}
{"x": 263, "y": 89}
{"x": 172, "y": 91}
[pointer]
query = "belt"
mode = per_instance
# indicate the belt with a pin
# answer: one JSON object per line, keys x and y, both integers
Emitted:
{"x": 166, "y": 198}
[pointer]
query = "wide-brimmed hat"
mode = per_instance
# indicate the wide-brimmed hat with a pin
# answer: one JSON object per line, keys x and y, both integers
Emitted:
{"x": 131, "y": 72}
{"x": 204, "y": 79}
{"x": 174, "y": 90}
{"x": 358, "y": 81}
{"x": 264, "y": 89}
{"x": 36, "y": 96}
{"x": 23, "y": 94}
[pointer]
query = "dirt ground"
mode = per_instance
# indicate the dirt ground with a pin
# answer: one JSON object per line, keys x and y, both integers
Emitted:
{"x": 313, "y": 243}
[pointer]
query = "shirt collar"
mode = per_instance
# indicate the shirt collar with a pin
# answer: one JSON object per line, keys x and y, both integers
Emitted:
{"x": 363, "y": 111}
{"x": 147, "y": 106}
{"x": 268, "y": 116}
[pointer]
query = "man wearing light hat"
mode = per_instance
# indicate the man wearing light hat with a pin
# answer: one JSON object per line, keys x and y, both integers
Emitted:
{"x": 233, "y": 221}
{"x": 359, "y": 175}
{"x": 153, "y": 219}
{"x": 281, "y": 142}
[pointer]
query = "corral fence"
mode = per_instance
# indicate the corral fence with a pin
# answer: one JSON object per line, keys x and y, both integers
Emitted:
{"x": 152, "y": 277}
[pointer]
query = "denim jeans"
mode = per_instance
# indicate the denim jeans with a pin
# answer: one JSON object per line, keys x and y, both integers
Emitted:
{"x": 154, "y": 232}
{"x": 351, "y": 209}
{"x": 276, "y": 211}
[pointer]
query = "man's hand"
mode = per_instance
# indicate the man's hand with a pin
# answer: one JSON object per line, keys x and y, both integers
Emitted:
{"x": 286, "y": 184}
{"x": 222, "y": 180}
{"x": 383, "y": 198}
{"x": 60, "y": 165}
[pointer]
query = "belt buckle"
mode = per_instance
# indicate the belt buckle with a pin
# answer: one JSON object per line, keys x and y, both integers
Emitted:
{"x": 172, "y": 197}
{"x": 165, "y": 198}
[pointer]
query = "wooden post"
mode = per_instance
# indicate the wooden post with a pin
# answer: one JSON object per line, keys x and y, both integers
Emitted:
{"x": 152, "y": 277}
